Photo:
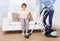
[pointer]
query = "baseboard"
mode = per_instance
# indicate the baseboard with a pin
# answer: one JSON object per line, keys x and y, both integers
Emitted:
{"x": 56, "y": 26}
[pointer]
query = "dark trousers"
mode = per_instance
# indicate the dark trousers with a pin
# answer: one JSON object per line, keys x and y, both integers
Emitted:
{"x": 50, "y": 14}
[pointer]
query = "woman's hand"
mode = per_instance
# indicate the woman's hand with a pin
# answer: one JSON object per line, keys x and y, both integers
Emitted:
{"x": 28, "y": 16}
{"x": 39, "y": 15}
{"x": 48, "y": 6}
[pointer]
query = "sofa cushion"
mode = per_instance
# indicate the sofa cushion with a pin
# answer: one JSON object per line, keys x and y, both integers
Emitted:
{"x": 14, "y": 16}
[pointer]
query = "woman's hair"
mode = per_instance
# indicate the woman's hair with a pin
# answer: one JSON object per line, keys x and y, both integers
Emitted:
{"x": 24, "y": 4}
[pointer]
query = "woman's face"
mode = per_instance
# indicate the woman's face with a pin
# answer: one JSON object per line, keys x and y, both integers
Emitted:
{"x": 24, "y": 7}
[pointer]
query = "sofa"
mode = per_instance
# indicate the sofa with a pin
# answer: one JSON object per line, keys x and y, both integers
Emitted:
{"x": 11, "y": 23}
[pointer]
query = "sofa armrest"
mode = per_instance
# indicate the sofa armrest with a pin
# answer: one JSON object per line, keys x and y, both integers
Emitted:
{"x": 5, "y": 20}
{"x": 5, "y": 23}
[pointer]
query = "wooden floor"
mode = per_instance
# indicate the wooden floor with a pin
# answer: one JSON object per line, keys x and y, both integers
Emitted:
{"x": 17, "y": 36}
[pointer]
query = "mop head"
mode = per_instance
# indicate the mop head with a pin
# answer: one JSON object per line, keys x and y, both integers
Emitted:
{"x": 51, "y": 34}
{"x": 54, "y": 33}
{"x": 26, "y": 36}
{"x": 30, "y": 34}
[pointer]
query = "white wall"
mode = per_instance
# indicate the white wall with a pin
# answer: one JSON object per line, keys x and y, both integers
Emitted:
{"x": 56, "y": 19}
{"x": 5, "y": 3}
{"x": 3, "y": 9}
{"x": 15, "y": 6}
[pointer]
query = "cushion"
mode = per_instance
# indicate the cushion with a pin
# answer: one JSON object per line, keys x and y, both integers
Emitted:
{"x": 14, "y": 16}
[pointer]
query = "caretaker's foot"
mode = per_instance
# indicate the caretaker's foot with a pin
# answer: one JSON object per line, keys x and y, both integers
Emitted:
{"x": 52, "y": 33}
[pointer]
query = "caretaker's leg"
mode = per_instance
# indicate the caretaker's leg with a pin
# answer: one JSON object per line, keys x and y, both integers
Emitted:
{"x": 44, "y": 19}
{"x": 51, "y": 13}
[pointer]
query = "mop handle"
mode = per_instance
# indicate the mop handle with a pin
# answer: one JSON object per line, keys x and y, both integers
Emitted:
{"x": 42, "y": 10}
{"x": 45, "y": 15}
{"x": 41, "y": 13}
{"x": 37, "y": 20}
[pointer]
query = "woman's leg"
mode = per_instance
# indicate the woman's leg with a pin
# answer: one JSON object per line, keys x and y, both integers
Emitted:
{"x": 51, "y": 13}
{"x": 27, "y": 25}
{"x": 44, "y": 19}
{"x": 23, "y": 25}
{"x": 49, "y": 31}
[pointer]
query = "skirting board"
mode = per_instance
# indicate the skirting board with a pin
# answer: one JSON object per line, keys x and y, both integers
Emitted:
{"x": 56, "y": 26}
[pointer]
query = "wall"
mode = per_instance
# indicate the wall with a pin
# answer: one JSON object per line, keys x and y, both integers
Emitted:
{"x": 4, "y": 4}
{"x": 3, "y": 9}
{"x": 56, "y": 19}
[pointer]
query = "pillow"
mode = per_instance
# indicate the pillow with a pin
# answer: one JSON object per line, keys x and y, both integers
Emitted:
{"x": 14, "y": 16}
{"x": 31, "y": 19}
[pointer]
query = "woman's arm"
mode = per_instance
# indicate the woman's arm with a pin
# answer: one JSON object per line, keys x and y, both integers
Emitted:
{"x": 40, "y": 7}
{"x": 52, "y": 2}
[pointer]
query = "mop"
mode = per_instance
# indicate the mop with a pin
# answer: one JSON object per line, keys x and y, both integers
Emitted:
{"x": 54, "y": 33}
{"x": 36, "y": 22}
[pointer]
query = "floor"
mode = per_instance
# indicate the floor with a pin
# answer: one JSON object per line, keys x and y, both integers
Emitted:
{"x": 17, "y": 36}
